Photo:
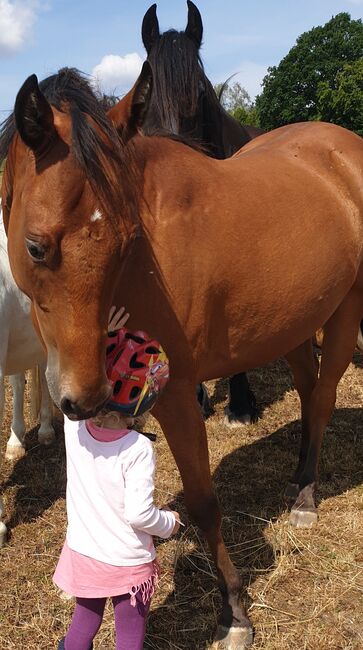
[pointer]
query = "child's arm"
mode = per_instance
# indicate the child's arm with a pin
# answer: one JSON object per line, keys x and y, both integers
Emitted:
{"x": 140, "y": 510}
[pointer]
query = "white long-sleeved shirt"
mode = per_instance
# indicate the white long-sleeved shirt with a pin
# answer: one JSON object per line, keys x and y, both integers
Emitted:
{"x": 110, "y": 509}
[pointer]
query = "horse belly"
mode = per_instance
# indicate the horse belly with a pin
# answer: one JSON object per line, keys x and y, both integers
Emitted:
{"x": 274, "y": 301}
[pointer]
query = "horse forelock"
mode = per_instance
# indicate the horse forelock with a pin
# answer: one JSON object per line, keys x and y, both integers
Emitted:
{"x": 178, "y": 76}
{"x": 107, "y": 162}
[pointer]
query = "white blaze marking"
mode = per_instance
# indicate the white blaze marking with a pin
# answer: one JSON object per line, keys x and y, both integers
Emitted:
{"x": 96, "y": 215}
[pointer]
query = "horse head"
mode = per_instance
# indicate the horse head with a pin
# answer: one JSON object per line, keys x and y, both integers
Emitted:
{"x": 180, "y": 85}
{"x": 64, "y": 251}
{"x": 150, "y": 31}
{"x": 183, "y": 101}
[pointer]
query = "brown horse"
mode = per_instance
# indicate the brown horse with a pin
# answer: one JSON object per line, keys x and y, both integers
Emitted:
{"x": 96, "y": 217}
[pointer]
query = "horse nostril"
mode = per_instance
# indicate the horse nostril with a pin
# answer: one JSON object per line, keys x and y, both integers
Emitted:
{"x": 68, "y": 407}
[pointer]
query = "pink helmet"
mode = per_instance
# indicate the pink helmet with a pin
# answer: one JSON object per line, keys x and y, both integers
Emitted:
{"x": 138, "y": 368}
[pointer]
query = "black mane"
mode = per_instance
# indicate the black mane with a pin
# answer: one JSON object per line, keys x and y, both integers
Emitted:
{"x": 68, "y": 85}
{"x": 100, "y": 156}
{"x": 177, "y": 76}
{"x": 183, "y": 100}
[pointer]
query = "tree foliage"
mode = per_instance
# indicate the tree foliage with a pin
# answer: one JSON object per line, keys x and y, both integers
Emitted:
{"x": 315, "y": 72}
{"x": 246, "y": 116}
{"x": 232, "y": 96}
{"x": 236, "y": 100}
{"x": 343, "y": 104}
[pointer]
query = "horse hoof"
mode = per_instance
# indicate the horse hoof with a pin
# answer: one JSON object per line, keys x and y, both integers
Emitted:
{"x": 303, "y": 518}
{"x": 14, "y": 452}
{"x": 292, "y": 491}
{"x": 3, "y": 532}
{"x": 304, "y": 513}
{"x": 232, "y": 420}
{"x": 232, "y": 638}
{"x": 46, "y": 438}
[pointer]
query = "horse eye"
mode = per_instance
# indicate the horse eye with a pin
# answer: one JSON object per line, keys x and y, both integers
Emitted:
{"x": 36, "y": 250}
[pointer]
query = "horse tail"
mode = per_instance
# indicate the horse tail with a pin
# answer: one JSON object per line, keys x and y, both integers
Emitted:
{"x": 224, "y": 87}
{"x": 35, "y": 393}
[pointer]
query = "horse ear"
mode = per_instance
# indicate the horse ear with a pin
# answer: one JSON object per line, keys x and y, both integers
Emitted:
{"x": 195, "y": 26}
{"x": 141, "y": 96}
{"x": 150, "y": 28}
{"x": 33, "y": 115}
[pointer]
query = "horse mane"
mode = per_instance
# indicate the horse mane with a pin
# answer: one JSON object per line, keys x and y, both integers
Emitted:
{"x": 178, "y": 76}
{"x": 175, "y": 75}
{"x": 100, "y": 155}
{"x": 179, "y": 81}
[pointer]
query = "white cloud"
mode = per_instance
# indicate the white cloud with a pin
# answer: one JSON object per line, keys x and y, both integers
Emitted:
{"x": 356, "y": 2}
{"x": 16, "y": 23}
{"x": 116, "y": 74}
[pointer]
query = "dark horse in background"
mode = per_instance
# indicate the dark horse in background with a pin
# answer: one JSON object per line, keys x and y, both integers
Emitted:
{"x": 183, "y": 102}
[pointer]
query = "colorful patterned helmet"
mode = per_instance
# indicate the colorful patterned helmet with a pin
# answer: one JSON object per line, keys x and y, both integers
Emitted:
{"x": 138, "y": 368}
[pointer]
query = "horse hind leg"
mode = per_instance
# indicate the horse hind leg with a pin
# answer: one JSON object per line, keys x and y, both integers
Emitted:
{"x": 15, "y": 448}
{"x": 340, "y": 337}
{"x": 241, "y": 409}
{"x": 305, "y": 366}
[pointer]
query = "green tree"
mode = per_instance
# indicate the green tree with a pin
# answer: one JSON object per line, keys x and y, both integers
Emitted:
{"x": 246, "y": 116}
{"x": 236, "y": 101}
{"x": 232, "y": 96}
{"x": 343, "y": 104}
{"x": 292, "y": 91}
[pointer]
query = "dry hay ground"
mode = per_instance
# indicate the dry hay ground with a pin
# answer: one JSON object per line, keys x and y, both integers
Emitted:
{"x": 303, "y": 587}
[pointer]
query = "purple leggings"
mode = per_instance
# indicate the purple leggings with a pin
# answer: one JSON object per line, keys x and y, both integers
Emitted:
{"x": 87, "y": 618}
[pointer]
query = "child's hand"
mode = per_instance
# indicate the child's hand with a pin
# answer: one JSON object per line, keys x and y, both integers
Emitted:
{"x": 177, "y": 522}
{"x": 117, "y": 318}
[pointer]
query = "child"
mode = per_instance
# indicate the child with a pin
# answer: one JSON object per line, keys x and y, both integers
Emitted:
{"x": 109, "y": 550}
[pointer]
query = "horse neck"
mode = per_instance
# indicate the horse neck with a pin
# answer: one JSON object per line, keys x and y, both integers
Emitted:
{"x": 235, "y": 135}
{"x": 221, "y": 133}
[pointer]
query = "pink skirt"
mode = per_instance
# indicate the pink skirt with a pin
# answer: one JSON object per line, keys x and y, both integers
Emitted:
{"x": 84, "y": 577}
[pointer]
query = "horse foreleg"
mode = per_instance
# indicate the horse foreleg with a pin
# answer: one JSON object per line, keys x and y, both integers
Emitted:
{"x": 15, "y": 448}
{"x": 360, "y": 337}
{"x": 241, "y": 408}
{"x": 46, "y": 433}
{"x": 340, "y": 337}
{"x": 305, "y": 366}
{"x": 186, "y": 436}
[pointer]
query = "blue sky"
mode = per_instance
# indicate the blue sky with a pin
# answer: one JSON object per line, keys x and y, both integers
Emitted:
{"x": 103, "y": 37}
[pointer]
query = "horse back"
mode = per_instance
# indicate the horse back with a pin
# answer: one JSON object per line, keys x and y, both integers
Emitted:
{"x": 287, "y": 210}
